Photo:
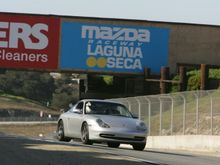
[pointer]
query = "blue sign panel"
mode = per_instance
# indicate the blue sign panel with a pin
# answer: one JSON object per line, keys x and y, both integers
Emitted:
{"x": 113, "y": 48}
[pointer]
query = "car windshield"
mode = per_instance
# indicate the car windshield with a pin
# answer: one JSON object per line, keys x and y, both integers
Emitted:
{"x": 106, "y": 108}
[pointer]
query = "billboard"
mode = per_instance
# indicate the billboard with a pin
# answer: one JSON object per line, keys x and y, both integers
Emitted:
{"x": 112, "y": 48}
{"x": 28, "y": 41}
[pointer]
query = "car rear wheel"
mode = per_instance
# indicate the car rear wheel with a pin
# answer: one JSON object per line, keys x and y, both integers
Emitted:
{"x": 60, "y": 132}
{"x": 85, "y": 134}
{"x": 139, "y": 146}
{"x": 113, "y": 144}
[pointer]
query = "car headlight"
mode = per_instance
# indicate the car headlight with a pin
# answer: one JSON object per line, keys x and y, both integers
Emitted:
{"x": 102, "y": 123}
{"x": 141, "y": 126}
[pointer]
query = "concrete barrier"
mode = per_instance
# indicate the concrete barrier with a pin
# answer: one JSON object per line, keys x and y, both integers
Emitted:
{"x": 185, "y": 142}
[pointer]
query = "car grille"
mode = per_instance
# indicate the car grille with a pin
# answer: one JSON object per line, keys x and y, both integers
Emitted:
{"x": 112, "y": 136}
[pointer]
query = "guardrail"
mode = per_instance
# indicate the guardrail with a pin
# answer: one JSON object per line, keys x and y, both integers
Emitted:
{"x": 3, "y": 119}
{"x": 184, "y": 113}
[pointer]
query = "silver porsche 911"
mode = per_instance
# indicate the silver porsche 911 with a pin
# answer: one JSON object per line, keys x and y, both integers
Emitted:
{"x": 102, "y": 121}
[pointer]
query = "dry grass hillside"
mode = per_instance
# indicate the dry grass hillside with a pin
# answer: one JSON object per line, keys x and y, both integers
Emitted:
{"x": 18, "y": 105}
{"x": 14, "y": 108}
{"x": 205, "y": 120}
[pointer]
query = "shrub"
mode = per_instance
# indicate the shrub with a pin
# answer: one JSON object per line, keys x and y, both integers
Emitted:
{"x": 214, "y": 73}
{"x": 174, "y": 86}
{"x": 108, "y": 80}
{"x": 193, "y": 82}
{"x": 194, "y": 79}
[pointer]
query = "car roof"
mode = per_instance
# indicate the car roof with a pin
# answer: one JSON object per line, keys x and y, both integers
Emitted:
{"x": 99, "y": 100}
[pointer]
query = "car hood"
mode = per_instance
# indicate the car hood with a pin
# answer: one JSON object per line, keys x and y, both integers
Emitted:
{"x": 118, "y": 121}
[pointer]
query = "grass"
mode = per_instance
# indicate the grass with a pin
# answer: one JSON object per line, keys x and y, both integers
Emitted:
{"x": 20, "y": 103}
{"x": 204, "y": 117}
{"x": 15, "y": 103}
{"x": 27, "y": 130}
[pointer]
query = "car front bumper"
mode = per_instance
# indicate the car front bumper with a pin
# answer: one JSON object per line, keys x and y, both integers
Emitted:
{"x": 121, "y": 135}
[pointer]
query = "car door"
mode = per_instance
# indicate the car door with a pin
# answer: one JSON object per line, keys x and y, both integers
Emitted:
{"x": 75, "y": 119}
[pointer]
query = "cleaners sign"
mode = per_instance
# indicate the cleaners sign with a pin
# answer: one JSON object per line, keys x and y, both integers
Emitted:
{"x": 112, "y": 48}
{"x": 29, "y": 41}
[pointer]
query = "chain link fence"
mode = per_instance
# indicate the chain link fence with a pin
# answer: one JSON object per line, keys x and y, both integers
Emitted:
{"x": 184, "y": 113}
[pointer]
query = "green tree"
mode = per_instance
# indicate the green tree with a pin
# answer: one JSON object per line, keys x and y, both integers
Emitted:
{"x": 67, "y": 91}
{"x": 33, "y": 85}
{"x": 194, "y": 79}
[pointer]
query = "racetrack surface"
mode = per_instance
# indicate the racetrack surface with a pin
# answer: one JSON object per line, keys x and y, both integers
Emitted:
{"x": 26, "y": 151}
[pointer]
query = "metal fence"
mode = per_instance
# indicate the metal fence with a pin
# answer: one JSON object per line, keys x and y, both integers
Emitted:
{"x": 184, "y": 113}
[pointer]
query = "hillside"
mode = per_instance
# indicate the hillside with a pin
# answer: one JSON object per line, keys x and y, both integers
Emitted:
{"x": 13, "y": 106}
{"x": 204, "y": 121}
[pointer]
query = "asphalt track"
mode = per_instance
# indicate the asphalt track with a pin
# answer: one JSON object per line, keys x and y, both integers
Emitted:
{"x": 25, "y": 151}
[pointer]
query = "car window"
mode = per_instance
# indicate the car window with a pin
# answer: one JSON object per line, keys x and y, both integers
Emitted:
{"x": 78, "y": 106}
{"x": 106, "y": 108}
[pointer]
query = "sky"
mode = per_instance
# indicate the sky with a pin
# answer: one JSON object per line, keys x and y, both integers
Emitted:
{"x": 180, "y": 11}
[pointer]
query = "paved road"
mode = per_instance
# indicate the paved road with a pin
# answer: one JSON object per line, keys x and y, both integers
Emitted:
{"x": 24, "y": 151}
{"x": 164, "y": 157}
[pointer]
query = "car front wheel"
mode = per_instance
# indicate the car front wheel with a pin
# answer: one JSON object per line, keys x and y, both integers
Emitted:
{"x": 139, "y": 146}
{"x": 60, "y": 132}
{"x": 85, "y": 134}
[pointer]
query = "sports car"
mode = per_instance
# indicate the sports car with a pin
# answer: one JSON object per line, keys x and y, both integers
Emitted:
{"x": 93, "y": 120}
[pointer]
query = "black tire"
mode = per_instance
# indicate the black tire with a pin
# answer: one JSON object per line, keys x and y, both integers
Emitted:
{"x": 60, "y": 132}
{"x": 139, "y": 146}
{"x": 85, "y": 134}
{"x": 113, "y": 144}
